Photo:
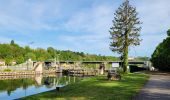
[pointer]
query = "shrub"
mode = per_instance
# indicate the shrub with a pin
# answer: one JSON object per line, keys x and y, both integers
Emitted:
{"x": 7, "y": 70}
{"x": 120, "y": 70}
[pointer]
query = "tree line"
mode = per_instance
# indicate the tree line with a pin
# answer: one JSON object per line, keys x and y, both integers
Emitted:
{"x": 13, "y": 52}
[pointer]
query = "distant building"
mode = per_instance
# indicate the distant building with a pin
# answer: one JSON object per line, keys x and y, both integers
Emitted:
{"x": 2, "y": 62}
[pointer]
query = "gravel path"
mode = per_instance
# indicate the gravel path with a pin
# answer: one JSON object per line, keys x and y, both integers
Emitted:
{"x": 157, "y": 88}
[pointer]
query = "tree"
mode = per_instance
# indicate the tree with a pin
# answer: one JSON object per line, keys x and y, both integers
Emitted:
{"x": 125, "y": 31}
{"x": 168, "y": 32}
{"x": 20, "y": 54}
{"x": 20, "y": 60}
{"x": 12, "y": 42}
{"x": 30, "y": 55}
{"x": 161, "y": 56}
{"x": 8, "y": 61}
{"x": 51, "y": 51}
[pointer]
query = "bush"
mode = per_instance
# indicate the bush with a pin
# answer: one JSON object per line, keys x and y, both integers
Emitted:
{"x": 120, "y": 70}
{"x": 7, "y": 70}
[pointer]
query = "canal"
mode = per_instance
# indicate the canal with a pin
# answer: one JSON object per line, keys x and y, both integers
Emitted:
{"x": 18, "y": 87}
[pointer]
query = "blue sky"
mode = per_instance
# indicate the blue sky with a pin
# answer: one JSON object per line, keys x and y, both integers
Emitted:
{"x": 79, "y": 25}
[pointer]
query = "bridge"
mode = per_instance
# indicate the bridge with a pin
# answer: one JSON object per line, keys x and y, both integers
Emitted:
{"x": 76, "y": 65}
{"x": 96, "y": 62}
{"x": 146, "y": 64}
{"x": 57, "y": 66}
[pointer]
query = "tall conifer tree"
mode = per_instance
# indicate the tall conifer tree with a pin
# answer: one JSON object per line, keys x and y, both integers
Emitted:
{"x": 125, "y": 31}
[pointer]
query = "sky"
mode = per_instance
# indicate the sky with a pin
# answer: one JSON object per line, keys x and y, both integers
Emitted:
{"x": 79, "y": 25}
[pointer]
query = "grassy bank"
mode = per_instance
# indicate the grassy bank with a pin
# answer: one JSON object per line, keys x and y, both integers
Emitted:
{"x": 97, "y": 88}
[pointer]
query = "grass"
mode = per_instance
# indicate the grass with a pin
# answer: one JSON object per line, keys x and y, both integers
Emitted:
{"x": 97, "y": 88}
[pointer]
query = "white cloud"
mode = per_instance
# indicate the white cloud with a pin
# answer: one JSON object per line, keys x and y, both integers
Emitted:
{"x": 154, "y": 15}
{"x": 93, "y": 25}
{"x": 96, "y": 19}
{"x": 21, "y": 16}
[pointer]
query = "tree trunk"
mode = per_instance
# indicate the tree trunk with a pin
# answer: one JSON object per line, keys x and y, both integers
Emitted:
{"x": 125, "y": 53}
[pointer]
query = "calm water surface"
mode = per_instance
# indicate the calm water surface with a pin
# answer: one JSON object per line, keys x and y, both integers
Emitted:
{"x": 29, "y": 85}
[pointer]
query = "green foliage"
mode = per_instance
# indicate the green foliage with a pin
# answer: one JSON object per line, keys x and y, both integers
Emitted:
{"x": 8, "y": 61}
{"x": 168, "y": 32}
{"x": 161, "y": 56}
{"x": 12, "y": 42}
{"x": 20, "y": 60}
{"x": 51, "y": 51}
{"x": 120, "y": 71}
{"x": 7, "y": 70}
{"x": 13, "y": 52}
{"x": 30, "y": 55}
{"x": 125, "y": 31}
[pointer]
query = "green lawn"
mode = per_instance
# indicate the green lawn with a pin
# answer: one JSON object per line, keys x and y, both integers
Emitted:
{"x": 97, "y": 88}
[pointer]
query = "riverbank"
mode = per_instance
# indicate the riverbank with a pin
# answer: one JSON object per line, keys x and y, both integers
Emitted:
{"x": 97, "y": 88}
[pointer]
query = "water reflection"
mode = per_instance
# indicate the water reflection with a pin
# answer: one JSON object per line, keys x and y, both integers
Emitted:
{"x": 17, "y": 87}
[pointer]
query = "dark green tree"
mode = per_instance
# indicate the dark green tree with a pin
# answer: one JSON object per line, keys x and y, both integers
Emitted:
{"x": 51, "y": 51}
{"x": 12, "y": 42}
{"x": 30, "y": 55}
{"x": 161, "y": 56}
{"x": 125, "y": 31}
{"x": 168, "y": 32}
{"x": 20, "y": 59}
{"x": 8, "y": 61}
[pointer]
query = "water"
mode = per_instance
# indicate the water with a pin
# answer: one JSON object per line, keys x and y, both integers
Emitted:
{"x": 29, "y": 85}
